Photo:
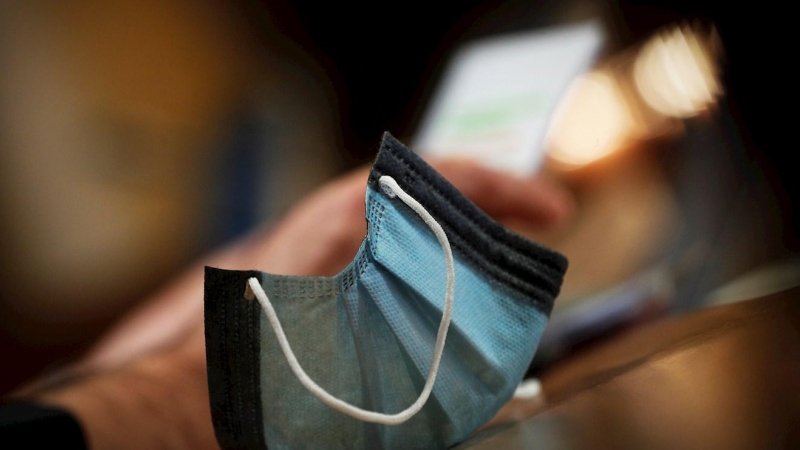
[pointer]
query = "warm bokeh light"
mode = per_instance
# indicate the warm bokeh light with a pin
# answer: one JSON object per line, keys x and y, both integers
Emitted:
{"x": 638, "y": 95}
{"x": 676, "y": 72}
{"x": 593, "y": 122}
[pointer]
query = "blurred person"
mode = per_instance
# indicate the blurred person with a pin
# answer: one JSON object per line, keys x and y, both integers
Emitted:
{"x": 144, "y": 385}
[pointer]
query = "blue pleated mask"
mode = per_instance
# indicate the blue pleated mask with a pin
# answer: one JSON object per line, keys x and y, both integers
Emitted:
{"x": 417, "y": 343}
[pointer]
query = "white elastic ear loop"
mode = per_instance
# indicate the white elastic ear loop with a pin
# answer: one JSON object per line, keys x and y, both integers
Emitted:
{"x": 390, "y": 187}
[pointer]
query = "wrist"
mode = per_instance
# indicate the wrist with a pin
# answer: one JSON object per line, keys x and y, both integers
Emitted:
{"x": 152, "y": 403}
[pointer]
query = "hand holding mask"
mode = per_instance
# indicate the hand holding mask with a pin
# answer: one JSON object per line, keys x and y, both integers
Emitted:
{"x": 378, "y": 337}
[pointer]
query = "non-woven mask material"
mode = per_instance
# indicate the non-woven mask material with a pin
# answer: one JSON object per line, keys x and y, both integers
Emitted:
{"x": 362, "y": 344}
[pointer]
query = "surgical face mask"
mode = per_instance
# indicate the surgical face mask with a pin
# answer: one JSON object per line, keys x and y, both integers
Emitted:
{"x": 418, "y": 342}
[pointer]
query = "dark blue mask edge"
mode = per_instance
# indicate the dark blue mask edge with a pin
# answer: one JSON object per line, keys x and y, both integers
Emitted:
{"x": 233, "y": 345}
{"x": 508, "y": 258}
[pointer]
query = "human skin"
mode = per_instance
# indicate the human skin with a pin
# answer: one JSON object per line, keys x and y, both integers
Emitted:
{"x": 144, "y": 384}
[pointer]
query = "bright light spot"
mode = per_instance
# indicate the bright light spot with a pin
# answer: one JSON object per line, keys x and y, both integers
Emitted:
{"x": 593, "y": 121}
{"x": 676, "y": 72}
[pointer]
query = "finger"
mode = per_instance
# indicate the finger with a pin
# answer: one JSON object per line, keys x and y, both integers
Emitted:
{"x": 537, "y": 200}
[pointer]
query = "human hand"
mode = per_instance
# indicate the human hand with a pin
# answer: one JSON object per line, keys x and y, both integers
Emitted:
{"x": 318, "y": 237}
{"x": 155, "y": 358}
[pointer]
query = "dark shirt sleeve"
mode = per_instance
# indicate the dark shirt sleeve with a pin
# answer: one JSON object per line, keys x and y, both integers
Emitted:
{"x": 26, "y": 424}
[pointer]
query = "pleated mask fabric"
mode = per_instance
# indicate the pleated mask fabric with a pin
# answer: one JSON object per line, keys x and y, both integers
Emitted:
{"x": 368, "y": 335}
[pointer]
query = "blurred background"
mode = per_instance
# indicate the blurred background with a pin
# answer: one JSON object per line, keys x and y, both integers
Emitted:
{"x": 136, "y": 135}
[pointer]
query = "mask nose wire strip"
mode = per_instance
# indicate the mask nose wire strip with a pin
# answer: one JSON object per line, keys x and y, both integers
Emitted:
{"x": 390, "y": 187}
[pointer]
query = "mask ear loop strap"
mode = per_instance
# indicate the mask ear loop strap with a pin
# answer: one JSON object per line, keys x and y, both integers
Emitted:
{"x": 390, "y": 188}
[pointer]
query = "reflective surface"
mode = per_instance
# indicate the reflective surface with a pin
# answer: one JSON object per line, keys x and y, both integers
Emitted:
{"x": 727, "y": 377}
